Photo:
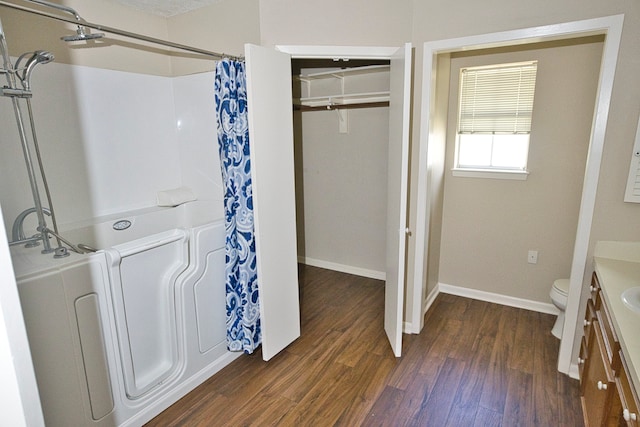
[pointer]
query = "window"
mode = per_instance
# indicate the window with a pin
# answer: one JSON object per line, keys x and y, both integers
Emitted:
{"x": 494, "y": 121}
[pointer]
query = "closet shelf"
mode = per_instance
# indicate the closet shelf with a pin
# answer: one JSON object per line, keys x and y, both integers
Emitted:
{"x": 336, "y": 96}
{"x": 346, "y": 72}
{"x": 346, "y": 99}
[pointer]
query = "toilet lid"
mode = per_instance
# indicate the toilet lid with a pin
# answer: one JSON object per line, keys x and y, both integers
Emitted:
{"x": 562, "y": 286}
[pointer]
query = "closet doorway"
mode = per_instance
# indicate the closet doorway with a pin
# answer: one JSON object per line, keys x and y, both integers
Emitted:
{"x": 271, "y": 135}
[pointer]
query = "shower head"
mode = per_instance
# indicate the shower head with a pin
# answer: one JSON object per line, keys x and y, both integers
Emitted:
{"x": 82, "y": 35}
{"x": 35, "y": 58}
{"x": 39, "y": 57}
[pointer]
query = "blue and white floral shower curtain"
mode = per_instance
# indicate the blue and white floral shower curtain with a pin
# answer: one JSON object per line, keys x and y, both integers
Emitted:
{"x": 243, "y": 310}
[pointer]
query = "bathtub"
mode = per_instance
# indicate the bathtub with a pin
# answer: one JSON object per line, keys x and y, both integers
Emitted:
{"x": 119, "y": 335}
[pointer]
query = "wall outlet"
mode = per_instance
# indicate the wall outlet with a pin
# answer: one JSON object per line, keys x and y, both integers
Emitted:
{"x": 532, "y": 257}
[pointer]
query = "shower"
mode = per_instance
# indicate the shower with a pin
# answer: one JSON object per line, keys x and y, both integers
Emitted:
{"x": 22, "y": 73}
{"x": 18, "y": 88}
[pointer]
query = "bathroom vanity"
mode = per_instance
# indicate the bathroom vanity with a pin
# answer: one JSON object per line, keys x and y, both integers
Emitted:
{"x": 609, "y": 358}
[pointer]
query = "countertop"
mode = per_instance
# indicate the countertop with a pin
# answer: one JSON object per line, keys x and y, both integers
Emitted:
{"x": 618, "y": 267}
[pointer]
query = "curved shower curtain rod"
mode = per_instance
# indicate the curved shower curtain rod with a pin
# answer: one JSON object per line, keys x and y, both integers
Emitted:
{"x": 79, "y": 21}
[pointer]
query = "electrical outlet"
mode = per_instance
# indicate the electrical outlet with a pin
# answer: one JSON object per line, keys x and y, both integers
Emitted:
{"x": 532, "y": 257}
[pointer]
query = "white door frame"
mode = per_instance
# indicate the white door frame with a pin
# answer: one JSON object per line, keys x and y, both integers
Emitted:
{"x": 610, "y": 26}
{"x": 337, "y": 52}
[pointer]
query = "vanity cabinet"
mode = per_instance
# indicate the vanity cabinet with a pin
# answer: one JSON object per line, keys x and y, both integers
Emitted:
{"x": 607, "y": 394}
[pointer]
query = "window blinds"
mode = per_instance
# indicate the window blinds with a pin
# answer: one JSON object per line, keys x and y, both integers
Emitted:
{"x": 497, "y": 99}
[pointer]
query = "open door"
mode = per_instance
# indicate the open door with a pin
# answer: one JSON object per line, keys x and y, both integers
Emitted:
{"x": 397, "y": 172}
{"x": 272, "y": 174}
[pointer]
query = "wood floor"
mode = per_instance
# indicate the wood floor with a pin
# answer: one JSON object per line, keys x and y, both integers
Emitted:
{"x": 474, "y": 364}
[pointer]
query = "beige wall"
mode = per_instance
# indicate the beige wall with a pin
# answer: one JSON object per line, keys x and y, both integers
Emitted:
{"x": 335, "y": 22}
{"x": 490, "y": 224}
{"x": 223, "y": 27}
{"x": 26, "y": 32}
{"x": 437, "y": 151}
{"x": 344, "y": 188}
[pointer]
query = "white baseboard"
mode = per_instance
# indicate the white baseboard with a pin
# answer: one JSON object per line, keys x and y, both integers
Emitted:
{"x": 372, "y": 274}
{"x": 538, "y": 306}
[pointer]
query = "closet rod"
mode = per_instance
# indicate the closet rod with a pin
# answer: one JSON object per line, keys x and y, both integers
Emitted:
{"x": 340, "y": 106}
{"x": 124, "y": 33}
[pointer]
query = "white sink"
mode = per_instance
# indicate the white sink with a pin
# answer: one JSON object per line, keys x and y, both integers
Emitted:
{"x": 631, "y": 298}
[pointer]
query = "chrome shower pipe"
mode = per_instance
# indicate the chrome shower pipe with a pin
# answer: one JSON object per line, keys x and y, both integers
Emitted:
{"x": 39, "y": 57}
{"x": 11, "y": 81}
{"x": 112, "y": 30}
{"x": 45, "y": 184}
{"x": 61, "y": 7}
{"x": 81, "y": 32}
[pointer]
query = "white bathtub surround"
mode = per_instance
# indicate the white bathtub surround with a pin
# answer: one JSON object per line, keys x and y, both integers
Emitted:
{"x": 175, "y": 196}
{"x": 113, "y": 344}
{"x": 112, "y": 140}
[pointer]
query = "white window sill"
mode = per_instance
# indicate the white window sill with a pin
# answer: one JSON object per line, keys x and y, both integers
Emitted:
{"x": 490, "y": 174}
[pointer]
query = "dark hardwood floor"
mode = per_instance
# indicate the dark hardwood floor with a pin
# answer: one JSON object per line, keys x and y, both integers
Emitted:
{"x": 474, "y": 364}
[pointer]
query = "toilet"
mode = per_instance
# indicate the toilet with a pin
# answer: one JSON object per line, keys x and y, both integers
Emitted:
{"x": 558, "y": 294}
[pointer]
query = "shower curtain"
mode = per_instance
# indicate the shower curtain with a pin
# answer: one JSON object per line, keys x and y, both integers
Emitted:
{"x": 242, "y": 301}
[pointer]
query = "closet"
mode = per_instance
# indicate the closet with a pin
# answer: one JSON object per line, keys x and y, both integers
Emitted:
{"x": 271, "y": 131}
{"x": 341, "y": 134}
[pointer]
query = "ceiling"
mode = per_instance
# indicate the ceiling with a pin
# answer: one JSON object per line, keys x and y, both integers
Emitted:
{"x": 167, "y": 8}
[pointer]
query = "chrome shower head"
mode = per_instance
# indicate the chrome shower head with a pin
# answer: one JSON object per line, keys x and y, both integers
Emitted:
{"x": 82, "y": 35}
{"x": 40, "y": 57}
{"x": 37, "y": 57}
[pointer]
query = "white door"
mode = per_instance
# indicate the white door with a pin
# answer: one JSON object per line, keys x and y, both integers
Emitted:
{"x": 397, "y": 173}
{"x": 272, "y": 174}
